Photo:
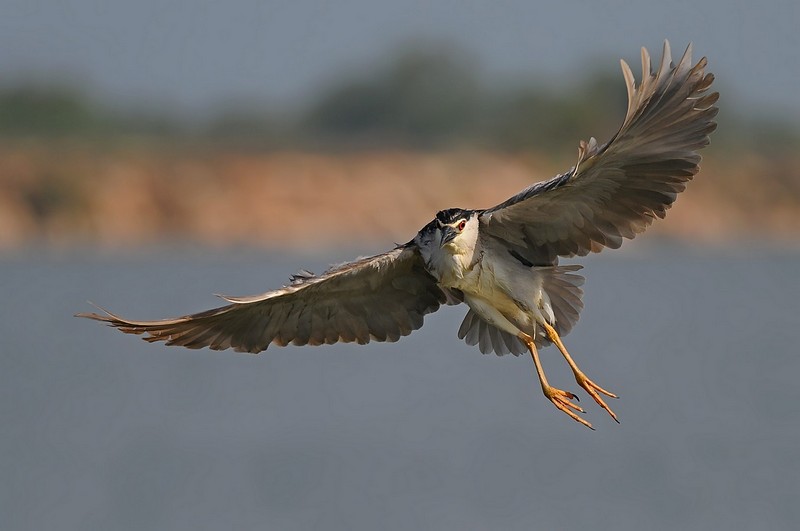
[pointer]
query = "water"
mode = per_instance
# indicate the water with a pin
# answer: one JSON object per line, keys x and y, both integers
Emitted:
{"x": 103, "y": 431}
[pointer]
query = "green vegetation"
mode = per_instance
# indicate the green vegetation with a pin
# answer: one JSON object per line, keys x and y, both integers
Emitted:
{"x": 420, "y": 100}
{"x": 45, "y": 111}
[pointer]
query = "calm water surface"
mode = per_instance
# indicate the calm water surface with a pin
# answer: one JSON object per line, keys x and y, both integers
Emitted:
{"x": 104, "y": 431}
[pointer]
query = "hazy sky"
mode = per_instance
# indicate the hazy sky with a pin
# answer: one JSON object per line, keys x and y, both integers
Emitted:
{"x": 194, "y": 55}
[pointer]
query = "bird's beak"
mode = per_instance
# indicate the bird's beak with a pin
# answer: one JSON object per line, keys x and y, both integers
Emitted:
{"x": 448, "y": 233}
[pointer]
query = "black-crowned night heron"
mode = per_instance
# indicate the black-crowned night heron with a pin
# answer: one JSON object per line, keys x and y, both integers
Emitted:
{"x": 503, "y": 261}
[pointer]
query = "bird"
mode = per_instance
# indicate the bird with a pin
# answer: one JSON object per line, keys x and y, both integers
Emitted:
{"x": 503, "y": 261}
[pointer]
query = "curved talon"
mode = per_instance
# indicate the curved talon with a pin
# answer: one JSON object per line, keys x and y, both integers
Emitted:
{"x": 593, "y": 389}
{"x": 590, "y": 387}
{"x": 561, "y": 399}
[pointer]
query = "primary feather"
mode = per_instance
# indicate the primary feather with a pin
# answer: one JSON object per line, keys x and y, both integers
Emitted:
{"x": 615, "y": 191}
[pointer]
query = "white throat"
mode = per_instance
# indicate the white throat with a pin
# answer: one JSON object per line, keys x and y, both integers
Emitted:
{"x": 451, "y": 262}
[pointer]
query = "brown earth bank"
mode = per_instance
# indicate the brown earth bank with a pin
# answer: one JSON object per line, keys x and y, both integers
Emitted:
{"x": 65, "y": 193}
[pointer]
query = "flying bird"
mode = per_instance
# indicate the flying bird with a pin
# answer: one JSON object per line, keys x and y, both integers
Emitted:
{"x": 502, "y": 262}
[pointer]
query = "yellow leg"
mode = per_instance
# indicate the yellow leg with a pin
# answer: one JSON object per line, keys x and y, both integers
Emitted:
{"x": 560, "y": 399}
{"x": 592, "y": 388}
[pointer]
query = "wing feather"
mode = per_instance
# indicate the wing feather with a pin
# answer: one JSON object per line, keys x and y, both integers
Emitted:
{"x": 617, "y": 190}
{"x": 380, "y": 298}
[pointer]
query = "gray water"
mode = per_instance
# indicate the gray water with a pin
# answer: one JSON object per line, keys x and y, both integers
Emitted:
{"x": 103, "y": 431}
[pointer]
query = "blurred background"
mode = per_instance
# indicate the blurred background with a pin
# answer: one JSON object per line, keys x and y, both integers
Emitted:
{"x": 152, "y": 153}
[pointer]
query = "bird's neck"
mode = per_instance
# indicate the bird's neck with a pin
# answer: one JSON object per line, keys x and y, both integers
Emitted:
{"x": 452, "y": 265}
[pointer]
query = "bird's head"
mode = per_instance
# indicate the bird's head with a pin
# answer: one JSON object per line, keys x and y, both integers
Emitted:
{"x": 454, "y": 231}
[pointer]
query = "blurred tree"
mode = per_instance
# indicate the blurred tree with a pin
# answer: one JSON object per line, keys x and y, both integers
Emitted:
{"x": 532, "y": 117}
{"x": 423, "y": 99}
{"x": 51, "y": 111}
{"x": 28, "y": 110}
{"x": 428, "y": 96}
{"x": 243, "y": 127}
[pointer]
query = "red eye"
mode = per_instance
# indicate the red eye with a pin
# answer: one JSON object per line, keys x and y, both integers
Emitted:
{"x": 462, "y": 225}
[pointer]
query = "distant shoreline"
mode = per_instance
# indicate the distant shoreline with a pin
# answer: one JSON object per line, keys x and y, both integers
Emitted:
{"x": 120, "y": 197}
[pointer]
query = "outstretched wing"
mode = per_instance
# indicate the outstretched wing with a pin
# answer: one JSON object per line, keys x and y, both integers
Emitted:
{"x": 615, "y": 191}
{"x": 380, "y": 298}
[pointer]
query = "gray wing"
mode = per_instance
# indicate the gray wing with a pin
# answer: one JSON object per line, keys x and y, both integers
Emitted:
{"x": 615, "y": 191}
{"x": 380, "y": 298}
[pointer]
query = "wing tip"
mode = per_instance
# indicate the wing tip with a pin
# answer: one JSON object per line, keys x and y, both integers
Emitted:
{"x": 108, "y": 317}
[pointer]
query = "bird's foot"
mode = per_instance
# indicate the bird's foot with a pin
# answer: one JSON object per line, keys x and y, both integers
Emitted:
{"x": 562, "y": 400}
{"x": 594, "y": 391}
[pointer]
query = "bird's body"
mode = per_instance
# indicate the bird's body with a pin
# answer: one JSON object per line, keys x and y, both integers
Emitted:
{"x": 481, "y": 269}
{"x": 502, "y": 261}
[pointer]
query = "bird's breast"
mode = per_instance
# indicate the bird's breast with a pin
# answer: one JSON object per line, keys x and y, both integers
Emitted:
{"x": 479, "y": 278}
{"x": 485, "y": 282}
{"x": 508, "y": 284}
